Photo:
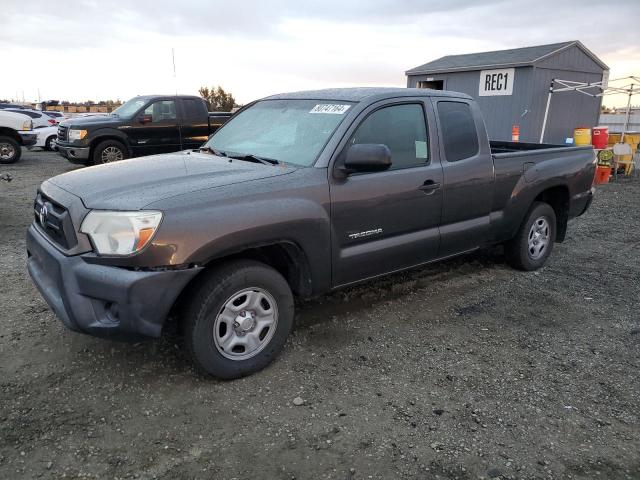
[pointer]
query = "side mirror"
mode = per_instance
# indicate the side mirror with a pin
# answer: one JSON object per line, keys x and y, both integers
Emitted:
{"x": 145, "y": 119}
{"x": 367, "y": 157}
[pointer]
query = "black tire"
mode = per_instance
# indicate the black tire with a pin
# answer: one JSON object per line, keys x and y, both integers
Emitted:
{"x": 214, "y": 291}
{"x": 517, "y": 250}
{"x": 97, "y": 157}
{"x": 10, "y": 150}
{"x": 48, "y": 145}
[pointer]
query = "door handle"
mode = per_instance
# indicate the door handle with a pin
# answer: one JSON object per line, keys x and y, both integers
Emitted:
{"x": 429, "y": 186}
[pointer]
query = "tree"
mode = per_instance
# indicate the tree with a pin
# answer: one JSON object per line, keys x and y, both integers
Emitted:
{"x": 218, "y": 99}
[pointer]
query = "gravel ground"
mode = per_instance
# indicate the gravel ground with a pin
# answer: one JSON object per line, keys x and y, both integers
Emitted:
{"x": 466, "y": 369}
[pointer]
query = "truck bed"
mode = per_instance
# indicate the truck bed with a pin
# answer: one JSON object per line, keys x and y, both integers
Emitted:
{"x": 498, "y": 147}
{"x": 517, "y": 165}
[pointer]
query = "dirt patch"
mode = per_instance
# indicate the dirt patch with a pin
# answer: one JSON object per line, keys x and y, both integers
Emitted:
{"x": 465, "y": 369}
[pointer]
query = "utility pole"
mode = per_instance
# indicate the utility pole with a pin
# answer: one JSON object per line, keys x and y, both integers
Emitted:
{"x": 175, "y": 79}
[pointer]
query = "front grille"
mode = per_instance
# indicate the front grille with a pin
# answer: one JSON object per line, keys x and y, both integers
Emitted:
{"x": 63, "y": 133}
{"x": 55, "y": 221}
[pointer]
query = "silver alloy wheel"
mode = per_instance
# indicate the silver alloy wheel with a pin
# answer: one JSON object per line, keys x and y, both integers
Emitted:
{"x": 245, "y": 324}
{"x": 538, "y": 240}
{"x": 111, "y": 154}
{"x": 7, "y": 151}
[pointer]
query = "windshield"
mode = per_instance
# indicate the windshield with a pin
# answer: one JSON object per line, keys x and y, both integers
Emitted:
{"x": 290, "y": 131}
{"x": 130, "y": 107}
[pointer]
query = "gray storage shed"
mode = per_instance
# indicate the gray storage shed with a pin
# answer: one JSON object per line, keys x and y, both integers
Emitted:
{"x": 511, "y": 87}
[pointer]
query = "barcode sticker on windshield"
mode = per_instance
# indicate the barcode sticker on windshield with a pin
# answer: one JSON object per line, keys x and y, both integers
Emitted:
{"x": 330, "y": 108}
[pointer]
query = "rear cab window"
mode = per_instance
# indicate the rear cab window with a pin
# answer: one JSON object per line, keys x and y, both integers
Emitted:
{"x": 193, "y": 111}
{"x": 458, "y": 130}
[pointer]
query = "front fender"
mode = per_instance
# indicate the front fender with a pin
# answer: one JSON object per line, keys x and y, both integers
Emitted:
{"x": 107, "y": 134}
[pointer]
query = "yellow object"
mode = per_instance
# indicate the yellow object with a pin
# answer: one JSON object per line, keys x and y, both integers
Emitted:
{"x": 631, "y": 138}
{"x": 582, "y": 136}
{"x": 626, "y": 162}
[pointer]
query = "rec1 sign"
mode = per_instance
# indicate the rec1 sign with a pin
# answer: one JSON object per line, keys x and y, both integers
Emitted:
{"x": 496, "y": 82}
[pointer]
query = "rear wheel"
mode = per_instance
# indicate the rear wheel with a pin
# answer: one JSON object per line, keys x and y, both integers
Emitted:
{"x": 50, "y": 143}
{"x": 238, "y": 319}
{"x": 109, "y": 151}
{"x": 533, "y": 243}
{"x": 10, "y": 150}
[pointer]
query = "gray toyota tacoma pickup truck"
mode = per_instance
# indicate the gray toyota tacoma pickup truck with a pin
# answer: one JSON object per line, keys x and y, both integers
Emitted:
{"x": 297, "y": 195}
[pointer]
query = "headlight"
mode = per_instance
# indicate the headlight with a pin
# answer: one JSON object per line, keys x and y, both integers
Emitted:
{"x": 76, "y": 134}
{"x": 120, "y": 233}
{"x": 27, "y": 125}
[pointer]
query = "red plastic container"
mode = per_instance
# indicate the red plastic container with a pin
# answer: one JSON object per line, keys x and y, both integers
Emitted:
{"x": 602, "y": 175}
{"x": 600, "y": 137}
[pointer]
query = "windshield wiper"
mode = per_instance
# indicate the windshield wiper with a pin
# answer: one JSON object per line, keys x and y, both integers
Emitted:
{"x": 249, "y": 157}
{"x": 213, "y": 151}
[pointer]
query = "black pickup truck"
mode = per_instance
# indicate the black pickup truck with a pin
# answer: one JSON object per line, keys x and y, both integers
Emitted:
{"x": 298, "y": 194}
{"x": 145, "y": 125}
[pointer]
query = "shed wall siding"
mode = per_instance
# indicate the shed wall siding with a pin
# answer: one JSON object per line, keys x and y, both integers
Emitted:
{"x": 526, "y": 106}
{"x": 500, "y": 113}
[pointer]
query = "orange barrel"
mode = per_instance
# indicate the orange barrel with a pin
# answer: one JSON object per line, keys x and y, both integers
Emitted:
{"x": 602, "y": 175}
{"x": 582, "y": 136}
{"x": 515, "y": 133}
{"x": 600, "y": 137}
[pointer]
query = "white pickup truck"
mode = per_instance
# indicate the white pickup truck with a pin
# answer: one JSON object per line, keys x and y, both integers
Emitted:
{"x": 16, "y": 131}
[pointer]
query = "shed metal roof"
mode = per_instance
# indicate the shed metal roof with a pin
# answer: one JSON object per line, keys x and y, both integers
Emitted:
{"x": 500, "y": 58}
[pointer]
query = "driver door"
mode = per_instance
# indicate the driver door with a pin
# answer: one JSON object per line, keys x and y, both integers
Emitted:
{"x": 155, "y": 129}
{"x": 387, "y": 221}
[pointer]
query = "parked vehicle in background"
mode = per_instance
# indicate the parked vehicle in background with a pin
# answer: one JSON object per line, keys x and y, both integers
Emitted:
{"x": 46, "y": 138}
{"x": 57, "y": 116}
{"x": 16, "y": 131}
{"x": 11, "y": 105}
{"x": 145, "y": 125}
{"x": 298, "y": 194}
{"x": 40, "y": 119}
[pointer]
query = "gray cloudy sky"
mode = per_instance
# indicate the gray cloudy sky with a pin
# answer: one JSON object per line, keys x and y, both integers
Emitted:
{"x": 79, "y": 50}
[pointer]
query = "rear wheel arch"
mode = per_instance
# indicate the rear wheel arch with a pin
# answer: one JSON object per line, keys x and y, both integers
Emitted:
{"x": 558, "y": 198}
{"x": 532, "y": 244}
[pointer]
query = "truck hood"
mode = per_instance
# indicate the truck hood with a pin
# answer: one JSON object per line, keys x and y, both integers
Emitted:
{"x": 92, "y": 121}
{"x": 133, "y": 184}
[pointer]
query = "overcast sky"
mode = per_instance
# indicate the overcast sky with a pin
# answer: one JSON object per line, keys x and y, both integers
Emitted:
{"x": 108, "y": 49}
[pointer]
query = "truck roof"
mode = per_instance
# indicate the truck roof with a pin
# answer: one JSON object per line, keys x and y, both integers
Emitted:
{"x": 168, "y": 95}
{"x": 358, "y": 94}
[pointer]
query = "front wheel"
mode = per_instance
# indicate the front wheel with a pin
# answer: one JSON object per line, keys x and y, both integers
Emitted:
{"x": 109, "y": 151}
{"x": 238, "y": 319}
{"x": 10, "y": 150}
{"x": 533, "y": 243}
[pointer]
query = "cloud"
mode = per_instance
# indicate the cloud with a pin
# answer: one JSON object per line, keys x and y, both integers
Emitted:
{"x": 111, "y": 48}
